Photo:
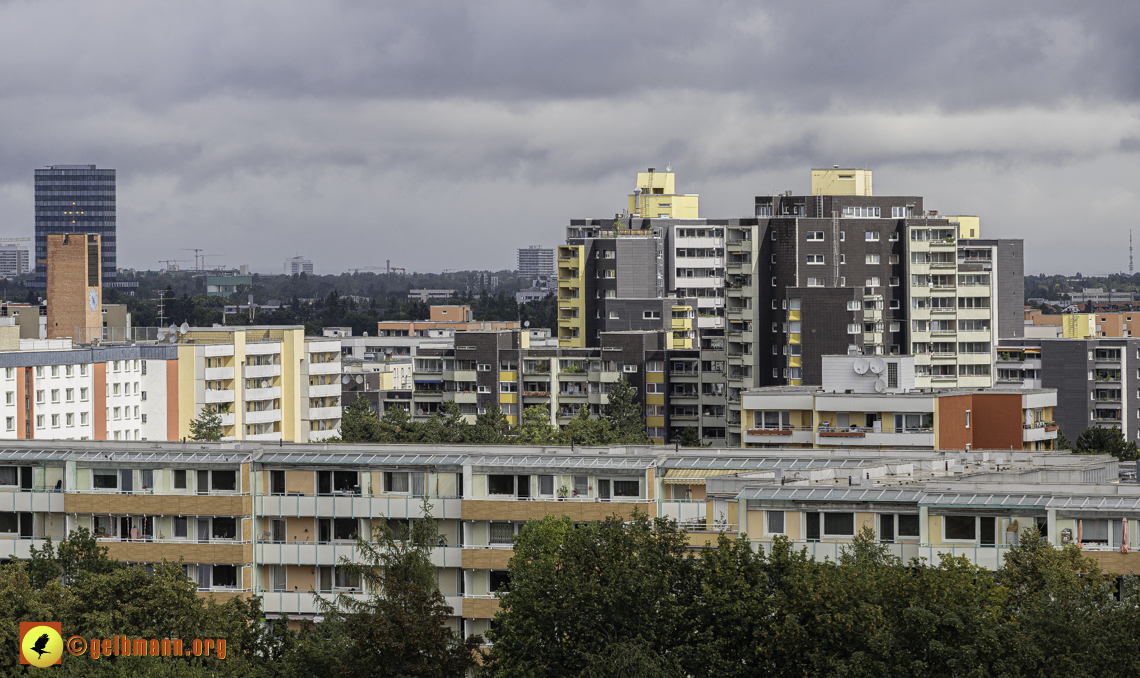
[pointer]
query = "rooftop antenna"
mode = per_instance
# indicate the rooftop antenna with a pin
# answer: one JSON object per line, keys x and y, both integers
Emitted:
{"x": 1130, "y": 251}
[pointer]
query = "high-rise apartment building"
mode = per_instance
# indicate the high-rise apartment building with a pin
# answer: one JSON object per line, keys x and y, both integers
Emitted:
{"x": 13, "y": 260}
{"x": 298, "y": 265}
{"x": 535, "y": 261}
{"x": 842, "y": 271}
{"x": 265, "y": 382}
{"x": 75, "y": 199}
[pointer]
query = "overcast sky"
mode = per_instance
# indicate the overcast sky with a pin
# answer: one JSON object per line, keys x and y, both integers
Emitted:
{"x": 446, "y": 134}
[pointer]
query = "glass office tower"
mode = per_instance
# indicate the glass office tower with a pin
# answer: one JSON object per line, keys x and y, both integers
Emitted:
{"x": 75, "y": 199}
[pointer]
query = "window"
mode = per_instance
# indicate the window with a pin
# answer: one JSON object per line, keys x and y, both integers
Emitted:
{"x": 39, "y": 421}
{"x": 10, "y": 398}
{"x": 873, "y": 281}
{"x": 654, "y": 387}
{"x": 815, "y": 282}
{"x": 853, "y": 306}
{"x": 654, "y": 366}
{"x": 815, "y": 259}
{"x": 775, "y": 522}
{"x": 69, "y": 395}
{"x": 967, "y": 418}
{"x": 898, "y": 213}
{"x": 546, "y": 486}
{"x": 40, "y": 397}
{"x": 502, "y": 533}
{"x": 651, "y": 315}
{"x": 629, "y": 368}
{"x": 395, "y": 481}
{"x": 811, "y": 235}
{"x": 853, "y": 328}
{"x": 10, "y": 372}
{"x": 861, "y": 212}
{"x": 39, "y": 372}
{"x": 483, "y": 367}
{"x": 500, "y": 484}
{"x": 10, "y": 423}
{"x": 345, "y": 528}
{"x": 871, "y": 236}
{"x": 224, "y": 527}
{"x": 973, "y": 370}
{"x": 908, "y": 525}
{"x": 180, "y": 479}
{"x": 223, "y": 481}
{"x": 70, "y": 419}
{"x": 83, "y": 395}
{"x": 973, "y": 302}
{"x": 627, "y": 488}
{"x": 508, "y": 387}
{"x": 872, "y": 259}
{"x": 83, "y": 370}
{"x": 960, "y": 527}
{"x": 839, "y": 524}
{"x": 103, "y": 479}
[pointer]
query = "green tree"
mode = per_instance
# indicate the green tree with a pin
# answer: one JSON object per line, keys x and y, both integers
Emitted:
{"x": 400, "y": 629}
{"x": 689, "y": 437}
{"x": 397, "y": 426}
{"x": 1096, "y": 440}
{"x": 206, "y": 426}
{"x": 624, "y": 414}
{"x": 491, "y": 428}
{"x": 585, "y": 430}
{"x": 578, "y": 592}
{"x": 446, "y": 426}
{"x": 536, "y": 428}
{"x": 359, "y": 424}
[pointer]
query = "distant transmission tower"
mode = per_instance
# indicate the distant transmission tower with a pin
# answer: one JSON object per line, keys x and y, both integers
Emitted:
{"x": 1130, "y": 251}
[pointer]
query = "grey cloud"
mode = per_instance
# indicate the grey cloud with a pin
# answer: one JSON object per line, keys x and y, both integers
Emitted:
{"x": 258, "y": 124}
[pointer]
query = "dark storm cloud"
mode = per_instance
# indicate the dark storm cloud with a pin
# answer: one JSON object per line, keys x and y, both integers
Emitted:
{"x": 259, "y": 123}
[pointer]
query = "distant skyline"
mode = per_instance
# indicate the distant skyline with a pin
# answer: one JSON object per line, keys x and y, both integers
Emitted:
{"x": 448, "y": 135}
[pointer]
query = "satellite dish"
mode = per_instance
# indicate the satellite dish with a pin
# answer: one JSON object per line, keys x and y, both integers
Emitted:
{"x": 880, "y": 386}
{"x": 161, "y": 334}
{"x": 359, "y": 379}
{"x": 877, "y": 365}
{"x": 184, "y": 329}
{"x": 172, "y": 338}
{"x": 526, "y": 323}
{"x": 860, "y": 366}
{"x": 344, "y": 379}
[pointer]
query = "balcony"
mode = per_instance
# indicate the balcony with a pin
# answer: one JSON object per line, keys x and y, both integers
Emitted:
{"x": 324, "y": 413}
{"x": 261, "y": 371}
{"x": 314, "y": 368}
{"x": 1040, "y": 430}
{"x": 325, "y": 390}
{"x": 218, "y": 373}
{"x": 792, "y": 435}
{"x": 264, "y": 416}
{"x": 274, "y": 392}
{"x": 463, "y": 397}
{"x": 214, "y": 395}
{"x": 988, "y": 557}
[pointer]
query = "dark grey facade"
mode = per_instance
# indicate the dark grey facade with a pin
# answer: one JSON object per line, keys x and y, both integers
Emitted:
{"x": 1097, "y": 380}
{"x": 75, "y": 199}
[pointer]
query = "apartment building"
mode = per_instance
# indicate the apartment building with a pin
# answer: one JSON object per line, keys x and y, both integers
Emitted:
{"x": 13, "y": 260}
{"x": 535, "y": 261}
{"x": 265, "y": 382}
{"x": 484, "y": 370}
{"x": 1097, "y": 379}
{"x": 950, "y": 419}
{"x": 850, "y": 272}
{"x": 274, "y": 520}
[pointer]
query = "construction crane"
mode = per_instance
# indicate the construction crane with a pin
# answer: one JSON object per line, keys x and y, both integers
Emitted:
{"x": 168, "y": 263}
{"x": 393, "y": 269}
{"x": 197, "y": 252}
